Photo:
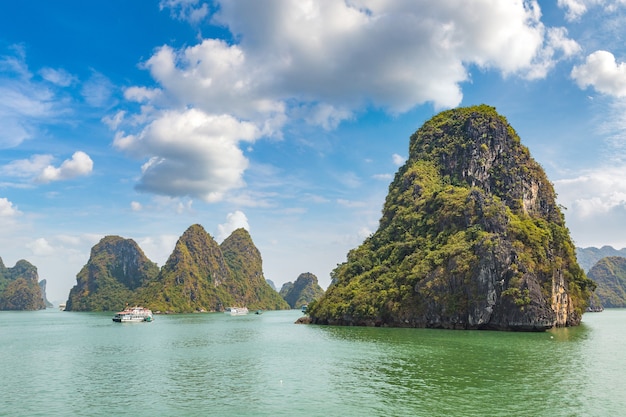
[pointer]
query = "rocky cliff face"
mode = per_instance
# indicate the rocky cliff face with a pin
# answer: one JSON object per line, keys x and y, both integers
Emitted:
{"x": 116, "y": 268}
{"x": 470, "y": 238}
{"x": 19, "y": 287}
{"x": 42, "y": 287}
{"x": 303, "y": 291}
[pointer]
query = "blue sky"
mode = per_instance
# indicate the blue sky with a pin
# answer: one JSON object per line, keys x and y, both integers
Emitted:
{"x": 288, "y": 118}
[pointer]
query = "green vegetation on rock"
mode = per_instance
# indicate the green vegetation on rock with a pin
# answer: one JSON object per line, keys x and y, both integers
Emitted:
{"x": 248, "y": 285}
{"x": 305, "y": 290}
{"x": 199, "y": 275}
{"x": 470, "y": 237}
{"x": 116, "y": 268}
{"x": 610, "y": 276}
{"x": 20, "y": 288}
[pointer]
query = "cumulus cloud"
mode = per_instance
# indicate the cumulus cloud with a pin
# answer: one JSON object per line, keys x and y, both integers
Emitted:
{"x": 234, "y": 221}
{"x": 135, "y": 206}
{"x": 7, "y": 209}
{"x": 190, "y": 153}
{"x": 603, "y": 73}
{"x": 317, "y": 62}
{"x": 79, "y": 165}
{"x": 344, "y": 55}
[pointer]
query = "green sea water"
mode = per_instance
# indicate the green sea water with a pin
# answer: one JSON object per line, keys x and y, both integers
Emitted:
{"x": 56, "y": 363}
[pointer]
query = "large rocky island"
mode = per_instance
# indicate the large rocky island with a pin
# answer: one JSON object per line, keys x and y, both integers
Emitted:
{"x": 199, "y": 275}
{"x": 470, "y": 238}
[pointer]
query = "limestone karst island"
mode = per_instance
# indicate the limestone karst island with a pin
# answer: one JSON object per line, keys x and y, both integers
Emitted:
{"x": 471, "y": 237}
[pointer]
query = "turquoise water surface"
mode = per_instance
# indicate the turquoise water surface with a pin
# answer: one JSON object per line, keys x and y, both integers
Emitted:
{"x": 56, "y": 363}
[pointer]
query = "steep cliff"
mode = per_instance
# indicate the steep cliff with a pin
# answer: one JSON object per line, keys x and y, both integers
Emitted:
{"x": 116, "y": 268}
{"x": 249, "y": 287}
{"x": 470, "y": 237}
{"x": 609, "y": 275}
{"x": 42, "y": 287}
{"x": 303, "y": 291}
{"x": 19, "y": 287}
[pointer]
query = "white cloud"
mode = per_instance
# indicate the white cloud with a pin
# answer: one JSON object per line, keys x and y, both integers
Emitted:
{"x": 158, "y": 248}
{"x": 79, "y": 165}
{"x": 234, "y": 221}
{"x": 141, "y": 94}
{"x": 318, "y": 62}
{"x": 113, "y": 122}
{"x": 350, "y": 204}
{"x": 344, "y": 55}
{"x": 383, "y": 177}
{"x": 98, "y": 91}
{"x": 575, "y": 9}
{"x": 26, "y": 168}
{"x": 603, "y": 73}
{"x": 190, "y": 153}
{"x": 40, "y": 247}
{"x": 595, "y": 202}
{"x": 7, "y": 209}
{"x": 59, "y": 77}
{"x": 398, "y": 159}
{"x": 216, "y": 78}
{"x": 192, "y": 11}
{"x": 135, "y": 206}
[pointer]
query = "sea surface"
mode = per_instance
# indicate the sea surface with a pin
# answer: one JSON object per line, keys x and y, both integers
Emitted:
{"x": 55, "y": 363}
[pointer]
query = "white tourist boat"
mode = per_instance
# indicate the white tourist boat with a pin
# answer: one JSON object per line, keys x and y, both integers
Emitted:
{"x": 236, "y": 311}
{"x": 133, "y": 315}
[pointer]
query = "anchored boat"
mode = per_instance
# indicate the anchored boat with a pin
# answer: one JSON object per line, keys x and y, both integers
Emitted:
{"x": 236, "y": 311}
{"x": 133, "y": 315}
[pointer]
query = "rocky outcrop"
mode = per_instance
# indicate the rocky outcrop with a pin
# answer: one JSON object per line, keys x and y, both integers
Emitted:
{"x": 609, "y": 275}
{"x": 249, "y": 287}
{"x": 471, "y": 237}
{"x": 199, "y": 275}
{"x": 194, "y": 278}
{"x": 42, "y": 286}
{"x": 19, "y": 287}
{"x": 303, "y": 291}
{"x": 116, "y": 268}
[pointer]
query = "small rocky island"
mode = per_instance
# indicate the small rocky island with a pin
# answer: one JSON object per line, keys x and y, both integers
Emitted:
{"x": 20, "y": 288}
{"x": 199, "y": 275}
{"x": 471, "y": 237}
{"x": 303, "y": 291}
